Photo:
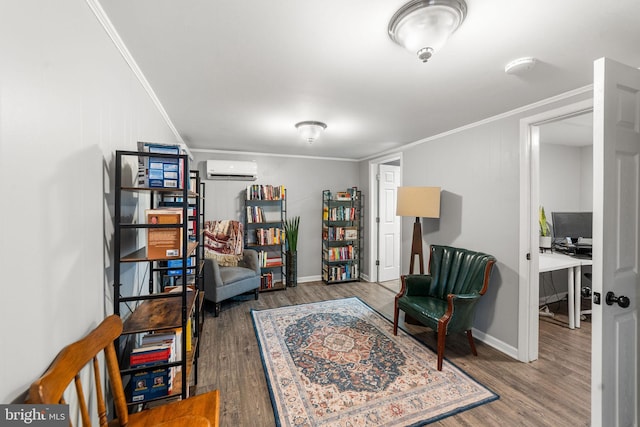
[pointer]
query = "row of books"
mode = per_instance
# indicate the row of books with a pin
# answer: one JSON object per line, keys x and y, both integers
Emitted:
{"x": 155, "y": 349}
{"x": 255, "y": 214}
{"x": 340, "y": 253}
{"x": 340, "y": 272}
{"x": 339, "y": 213}
{"x": 339, "y": 233}
{"x": 266, "y": 192}
{"x": 265, "y": 261}
{"x": 266, "y": 281}
{"x": 270, "y": 236}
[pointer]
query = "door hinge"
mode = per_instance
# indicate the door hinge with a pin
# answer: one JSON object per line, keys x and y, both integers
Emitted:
{"x": 528, "y": 256}
{"x": 377, "y": 262}
{"x": 378, "y": 219}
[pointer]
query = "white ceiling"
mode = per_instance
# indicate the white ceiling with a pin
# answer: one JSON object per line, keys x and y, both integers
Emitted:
{"x": 237, "y": 75}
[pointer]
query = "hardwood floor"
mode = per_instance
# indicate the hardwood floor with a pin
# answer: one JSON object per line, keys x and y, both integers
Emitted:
{"x": 552, "y": 391}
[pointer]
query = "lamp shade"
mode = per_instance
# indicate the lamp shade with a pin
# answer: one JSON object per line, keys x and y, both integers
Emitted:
{"x": 423, "y": 202}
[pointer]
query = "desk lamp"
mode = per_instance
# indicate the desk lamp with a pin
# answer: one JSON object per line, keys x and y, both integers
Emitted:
{"x": 418, "y": 202}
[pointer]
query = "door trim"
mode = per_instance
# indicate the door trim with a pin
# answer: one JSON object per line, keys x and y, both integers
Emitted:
{"x": 528, "y": 288}
{"x": 373, "y": 206}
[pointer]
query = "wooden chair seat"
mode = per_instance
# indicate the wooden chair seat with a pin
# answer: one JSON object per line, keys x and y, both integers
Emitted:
{"x": 200, "y": 410}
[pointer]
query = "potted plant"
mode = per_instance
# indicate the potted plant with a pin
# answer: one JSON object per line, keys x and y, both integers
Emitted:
{"x": 545, "y": 233}
{"x": 291, "y": 227}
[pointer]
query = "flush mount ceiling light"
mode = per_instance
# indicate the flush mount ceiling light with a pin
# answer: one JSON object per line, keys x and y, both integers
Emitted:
{"x": 423, "y": 26}
{"x": 310, "y": 130}
{"x": 520, "y": 65}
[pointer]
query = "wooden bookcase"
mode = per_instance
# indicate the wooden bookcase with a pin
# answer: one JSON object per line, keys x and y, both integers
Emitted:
{"x": 265, "y": 215}
{"x": 342, "y": 228}
{"x": 174, "y": 307}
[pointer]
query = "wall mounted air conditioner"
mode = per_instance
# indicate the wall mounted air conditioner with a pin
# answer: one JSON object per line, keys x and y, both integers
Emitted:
{"x": 232, "y": 170}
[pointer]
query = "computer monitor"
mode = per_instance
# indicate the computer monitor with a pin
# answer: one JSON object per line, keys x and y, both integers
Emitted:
{"x": 572, "y": 224}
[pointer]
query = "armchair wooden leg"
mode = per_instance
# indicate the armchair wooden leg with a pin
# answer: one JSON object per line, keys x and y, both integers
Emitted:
{"x": 257, "y": 293}
{"x": 216, "y": 309}
{"x": 396, "y": 313}
{"x": 472, "y": 343}
{"x": 442, "y": 336}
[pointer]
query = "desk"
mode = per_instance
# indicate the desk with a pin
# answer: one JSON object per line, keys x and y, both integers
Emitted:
{"x": 557, "y": 261}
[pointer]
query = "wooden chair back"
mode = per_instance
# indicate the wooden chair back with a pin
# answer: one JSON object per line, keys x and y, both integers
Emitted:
{"x": 66, "y": 367}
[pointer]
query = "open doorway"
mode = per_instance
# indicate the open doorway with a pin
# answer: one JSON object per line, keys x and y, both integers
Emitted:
{"x": 566, "y": 194}
{"x": 385, "y": 178}
{"x": 531, "y": 182}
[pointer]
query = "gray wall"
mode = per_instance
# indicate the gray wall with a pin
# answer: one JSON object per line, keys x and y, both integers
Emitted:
{"x": 304, "y": 178}
{"x": 478, "y": 169}
{"x": 69, "y": 100}
{"x": 566, "y": 185}
{"x": 566, "y": 178}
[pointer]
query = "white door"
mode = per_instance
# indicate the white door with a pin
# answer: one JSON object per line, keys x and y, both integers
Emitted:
{"x": 389, "y": 224}
{"x": 616, "y": 202}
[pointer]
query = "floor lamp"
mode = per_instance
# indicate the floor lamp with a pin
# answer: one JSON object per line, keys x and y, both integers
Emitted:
{"x": 418, "y": 202}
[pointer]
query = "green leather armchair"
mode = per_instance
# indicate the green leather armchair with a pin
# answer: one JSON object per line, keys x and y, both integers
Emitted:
{"x": 445, "y": 299}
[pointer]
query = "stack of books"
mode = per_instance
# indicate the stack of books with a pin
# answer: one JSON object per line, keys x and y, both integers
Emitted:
{"x": 269, "y": 261}
{"x": 266, "y": 281}
{"x": 156, "y": 381}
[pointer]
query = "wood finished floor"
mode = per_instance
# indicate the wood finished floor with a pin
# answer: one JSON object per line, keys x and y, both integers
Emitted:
{"x": 552, "y": 391}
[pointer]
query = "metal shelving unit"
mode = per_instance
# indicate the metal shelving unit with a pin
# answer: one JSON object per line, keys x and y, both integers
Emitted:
{"x": 274, "y": 215}
{"x": 342, "y": 228}
{"x": 162, "y": 306}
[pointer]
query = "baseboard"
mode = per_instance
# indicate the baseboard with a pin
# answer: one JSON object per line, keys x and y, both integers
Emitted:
{"x": 490, "y": 340}
{"x": 309, "y": 279}
{"x": 319, "y": 278}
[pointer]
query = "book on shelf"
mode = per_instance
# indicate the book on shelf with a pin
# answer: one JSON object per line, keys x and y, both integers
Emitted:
{"x": 266, "y": 192}
{"x": 146, "y": 385}
{"x": 333, "y": 273}
{"x": 266, "y": 259}
{"x": 350, "y": 233}
{"x": 340, "y": 213}
{"x": 339, "y": 233}
{"x": 175, "y": 266}
{"x": 266, "y": 281}
{"x": 160, "y": 172}
{"x": 156, "y": 381}
{"x": 343, "y": 196}
{"x": 341, "y": 253}
{"x": 269, "y": 236}
{"x": 164, "y": 242}
{"x": 255, "y": 214}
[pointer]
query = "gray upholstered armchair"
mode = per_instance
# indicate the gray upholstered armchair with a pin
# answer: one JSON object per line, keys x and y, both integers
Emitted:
{"x": 445, "y": 299}
{"x": 221, "y": 283}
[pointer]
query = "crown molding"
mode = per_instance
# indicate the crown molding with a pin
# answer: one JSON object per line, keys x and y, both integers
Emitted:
{"x": 106, "y": 23}
{"x": 519, "y": 110}
{"x": 257, "y": 153}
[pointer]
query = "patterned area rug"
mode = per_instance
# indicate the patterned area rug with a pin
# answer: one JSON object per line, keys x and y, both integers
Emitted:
{"x": 337, "y": 363}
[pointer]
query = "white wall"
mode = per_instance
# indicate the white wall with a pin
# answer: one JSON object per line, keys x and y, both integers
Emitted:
{"x": 304, "y": 178}
{"x": 566, "y": 178}
{"x": 68, "y": 100}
